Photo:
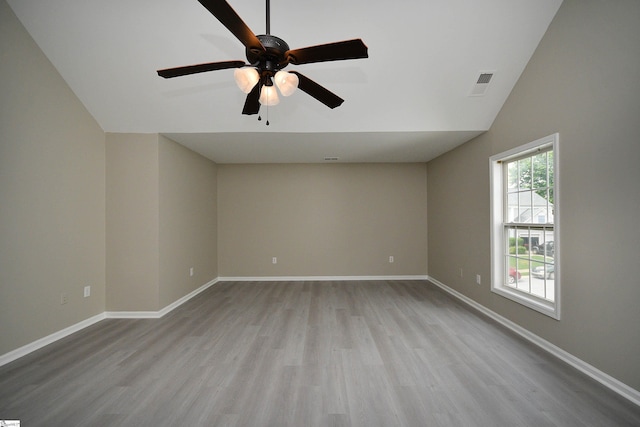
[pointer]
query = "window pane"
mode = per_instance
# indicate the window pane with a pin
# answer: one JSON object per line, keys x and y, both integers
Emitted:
{"x": 543, "y": 276}
{"x": 511, "y": 275}
{"x": 524, "y": 267}
{"x": 512, "y": 175}
{"x": 512, "y": 241}
{"x": 540, "y": 209}
{"x": 539, "y": 166}
{"x": 512, "y": 207}
{"x": 550, "y": 168}
{"x": 524, "y": 173}
{"x": 526, "y": 206}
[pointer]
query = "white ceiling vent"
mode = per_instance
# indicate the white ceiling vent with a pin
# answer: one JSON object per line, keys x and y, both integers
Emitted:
{"x": 482, "y": 83}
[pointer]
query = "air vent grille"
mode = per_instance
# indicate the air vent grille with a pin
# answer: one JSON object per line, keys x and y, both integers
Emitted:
{"x": 482, "y": 83}
{"x": 331, "y": 159}
{"x": 484, "y": 78}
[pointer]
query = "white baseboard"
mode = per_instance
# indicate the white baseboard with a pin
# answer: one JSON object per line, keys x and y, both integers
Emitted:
{"x": 605, "y": 379}
{"x": 317, "y": 278}
{"x": 160, "y": 313}
{"x": 38, "y": 344}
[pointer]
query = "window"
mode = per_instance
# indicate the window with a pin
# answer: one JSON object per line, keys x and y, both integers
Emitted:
{"x": 524, "y": 225}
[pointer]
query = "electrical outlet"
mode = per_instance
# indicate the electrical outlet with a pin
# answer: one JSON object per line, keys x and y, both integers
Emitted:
{"x": 87, "y": 291}
{"x": 391, "y": 259}
{"x": 478, "y": 279}
{"x": 191, "y": 272}
{"x": 274, "y": 260}
{"x": 63, "y": 298}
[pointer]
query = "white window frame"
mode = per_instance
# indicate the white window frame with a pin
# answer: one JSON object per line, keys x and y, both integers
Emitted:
{"x": 498, "y": 241}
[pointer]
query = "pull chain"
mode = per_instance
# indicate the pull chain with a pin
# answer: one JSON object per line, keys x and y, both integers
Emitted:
{"x": 260, "y": 117}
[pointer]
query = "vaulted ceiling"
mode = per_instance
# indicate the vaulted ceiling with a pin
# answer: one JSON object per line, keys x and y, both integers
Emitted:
{"x": 410, "y": 101}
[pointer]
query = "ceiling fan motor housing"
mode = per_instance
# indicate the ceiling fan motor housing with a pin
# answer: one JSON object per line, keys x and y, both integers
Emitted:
{"x": 274, "y": 59}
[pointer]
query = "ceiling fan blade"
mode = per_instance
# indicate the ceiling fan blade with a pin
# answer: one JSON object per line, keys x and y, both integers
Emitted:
{"x": 230, "y": 19}
{"x": 198, "y": 68}
{"x": 312, "y": 88}
{"x": 252, "y": 103}
{"x": 349, "y": 49}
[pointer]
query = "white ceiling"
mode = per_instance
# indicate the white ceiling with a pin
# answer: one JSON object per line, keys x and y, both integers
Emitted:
{"x": 408, "y": 102}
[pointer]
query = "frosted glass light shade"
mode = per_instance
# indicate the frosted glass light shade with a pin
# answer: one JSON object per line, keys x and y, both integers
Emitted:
{"x": 269, "y": 96}
{"x": 286, "y": 82}
{"x": 246, "y": 78}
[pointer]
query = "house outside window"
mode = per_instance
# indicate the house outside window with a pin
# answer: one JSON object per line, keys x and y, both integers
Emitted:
{"x": 524, "y": 225}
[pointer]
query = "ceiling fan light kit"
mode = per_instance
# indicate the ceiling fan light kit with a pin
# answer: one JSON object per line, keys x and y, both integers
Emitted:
{"x": 246, "y": 78}
{"x": 267, "y": 55}
{"x": 286, "y": 82}
{"x": 269, "y": 96}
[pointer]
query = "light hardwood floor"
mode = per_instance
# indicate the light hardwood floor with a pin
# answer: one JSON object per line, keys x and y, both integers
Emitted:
{"x": 392, "y": 353}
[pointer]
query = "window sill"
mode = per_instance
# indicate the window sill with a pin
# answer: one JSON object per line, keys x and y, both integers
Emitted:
{"x": 547, "y": 308}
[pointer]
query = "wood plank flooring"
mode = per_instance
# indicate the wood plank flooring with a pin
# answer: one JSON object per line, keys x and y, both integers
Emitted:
{"x": 383, "y": 353}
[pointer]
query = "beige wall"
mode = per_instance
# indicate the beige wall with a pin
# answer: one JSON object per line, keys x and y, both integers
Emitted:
{"x": 161, "y": 221}
{"x": 583, "y": 83}
{"x": 132, "y": 222}
{"x": 322, "y": 220}
{"x": 188, "y": 221}
{"x": 52, "y": 185}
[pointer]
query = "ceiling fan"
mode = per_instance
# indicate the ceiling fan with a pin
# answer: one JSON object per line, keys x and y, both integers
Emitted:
{"x": 267, "y": 55}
